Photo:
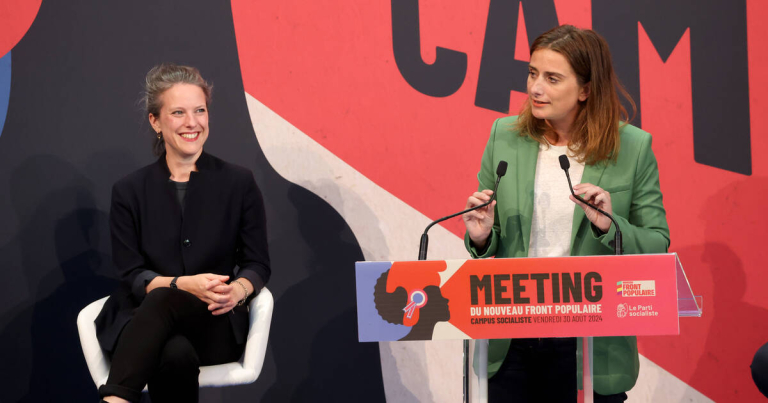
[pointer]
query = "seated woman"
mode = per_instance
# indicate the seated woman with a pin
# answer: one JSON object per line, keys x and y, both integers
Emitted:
{"x": 189, "y": 241}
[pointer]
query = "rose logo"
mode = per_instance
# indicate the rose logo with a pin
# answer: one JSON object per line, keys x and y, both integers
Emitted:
{"x": 621, "y": 310}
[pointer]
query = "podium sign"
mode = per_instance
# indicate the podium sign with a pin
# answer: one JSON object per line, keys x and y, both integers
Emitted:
{"x": 522, "y": 298}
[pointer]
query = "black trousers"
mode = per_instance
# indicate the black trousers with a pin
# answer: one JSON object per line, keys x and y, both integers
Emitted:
{"x": 540, "y": 370}
{"x": 170, "y": 336}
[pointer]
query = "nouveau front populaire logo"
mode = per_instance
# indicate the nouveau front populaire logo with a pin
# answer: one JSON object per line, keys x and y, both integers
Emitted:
{"x": 646, "y": 288}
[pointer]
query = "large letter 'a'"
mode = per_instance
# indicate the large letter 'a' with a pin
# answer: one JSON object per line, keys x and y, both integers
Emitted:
{"x": 500, "y": 73}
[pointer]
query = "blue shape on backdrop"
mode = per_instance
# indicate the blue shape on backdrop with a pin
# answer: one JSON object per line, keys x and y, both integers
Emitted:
{"x": 5, "y": 87}
{"x": 371, "y": 327}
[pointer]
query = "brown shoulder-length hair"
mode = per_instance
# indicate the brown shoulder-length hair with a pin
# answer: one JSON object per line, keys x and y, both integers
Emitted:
{"x": 595, "y": 132}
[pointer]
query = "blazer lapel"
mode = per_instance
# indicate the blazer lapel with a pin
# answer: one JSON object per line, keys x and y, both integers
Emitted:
{"x": 592, "y": 174}
{"x": 527, "y": 155}
{"x": 165, "y": 191}
{"x": 199, "y": 186}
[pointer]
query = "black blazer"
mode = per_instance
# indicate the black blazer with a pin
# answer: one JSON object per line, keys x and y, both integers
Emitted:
{"x": 222, "y": 230}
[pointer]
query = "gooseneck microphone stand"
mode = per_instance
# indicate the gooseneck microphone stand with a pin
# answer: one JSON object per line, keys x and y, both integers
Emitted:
{"x": 501, "y": 170}
{"x": 423, "y": 244}
{"x": 565, "y": 165}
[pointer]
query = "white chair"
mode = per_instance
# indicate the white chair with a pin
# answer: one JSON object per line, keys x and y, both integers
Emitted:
{"x": 234, "y": 373}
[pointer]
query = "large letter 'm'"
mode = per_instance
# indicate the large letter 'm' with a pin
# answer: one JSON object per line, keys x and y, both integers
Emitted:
{"x": 719, "y": 76}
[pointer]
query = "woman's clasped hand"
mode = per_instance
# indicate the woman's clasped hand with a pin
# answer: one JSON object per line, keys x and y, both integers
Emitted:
{"x": 214, "y": 290}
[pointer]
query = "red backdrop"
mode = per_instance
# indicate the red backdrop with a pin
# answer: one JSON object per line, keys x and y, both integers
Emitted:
{"x": 329, "y": 69}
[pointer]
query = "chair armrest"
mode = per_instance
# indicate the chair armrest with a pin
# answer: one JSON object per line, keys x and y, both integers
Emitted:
{"x": 98, "y": 365}
{"x": 258, "y": 332}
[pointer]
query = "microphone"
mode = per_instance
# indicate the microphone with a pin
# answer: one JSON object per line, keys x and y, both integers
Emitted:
{"x": 501, "y": 170}
{"x": 565, "y": 165}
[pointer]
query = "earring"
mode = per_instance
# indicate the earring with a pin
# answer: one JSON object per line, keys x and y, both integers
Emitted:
{"x": 159, "y": 136}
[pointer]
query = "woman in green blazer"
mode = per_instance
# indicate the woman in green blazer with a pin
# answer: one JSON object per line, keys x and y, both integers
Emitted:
{"x": 573, "y": 109}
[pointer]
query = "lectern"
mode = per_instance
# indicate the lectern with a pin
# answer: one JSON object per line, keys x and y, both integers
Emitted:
{"x": 481, "y": 299}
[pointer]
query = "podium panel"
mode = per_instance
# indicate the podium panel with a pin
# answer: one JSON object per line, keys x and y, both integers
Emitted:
{"x": 481, "y": 299}
{"x": 522, "y": 298}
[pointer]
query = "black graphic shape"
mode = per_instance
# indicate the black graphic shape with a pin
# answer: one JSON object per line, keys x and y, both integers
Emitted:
{"x": 391, "y": 305}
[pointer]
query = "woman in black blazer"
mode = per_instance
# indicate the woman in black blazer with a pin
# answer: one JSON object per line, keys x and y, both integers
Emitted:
{"x": 189, "y": 240}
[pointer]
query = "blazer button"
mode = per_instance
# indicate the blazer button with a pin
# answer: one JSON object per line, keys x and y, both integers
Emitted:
{"x": 186, "y": 243}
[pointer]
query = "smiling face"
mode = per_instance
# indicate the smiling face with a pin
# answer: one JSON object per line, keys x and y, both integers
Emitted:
{"x": 554, "y": 89}
{"x": 183, "y": 121}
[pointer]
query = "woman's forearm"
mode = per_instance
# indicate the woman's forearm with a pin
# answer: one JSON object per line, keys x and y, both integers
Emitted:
{"x": 244, "y": 285}
{"x": 159, "y": 282}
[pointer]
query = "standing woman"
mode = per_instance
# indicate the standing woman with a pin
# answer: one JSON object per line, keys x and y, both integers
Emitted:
{"x": 572, "y": 108}
{"x": 189, "y": 241}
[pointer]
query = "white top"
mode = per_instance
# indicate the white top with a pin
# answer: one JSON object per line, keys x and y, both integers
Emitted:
{"x": 552, "y": 209}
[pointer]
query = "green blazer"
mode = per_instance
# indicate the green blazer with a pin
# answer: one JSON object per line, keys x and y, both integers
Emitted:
{"x": 633, "y": 182}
